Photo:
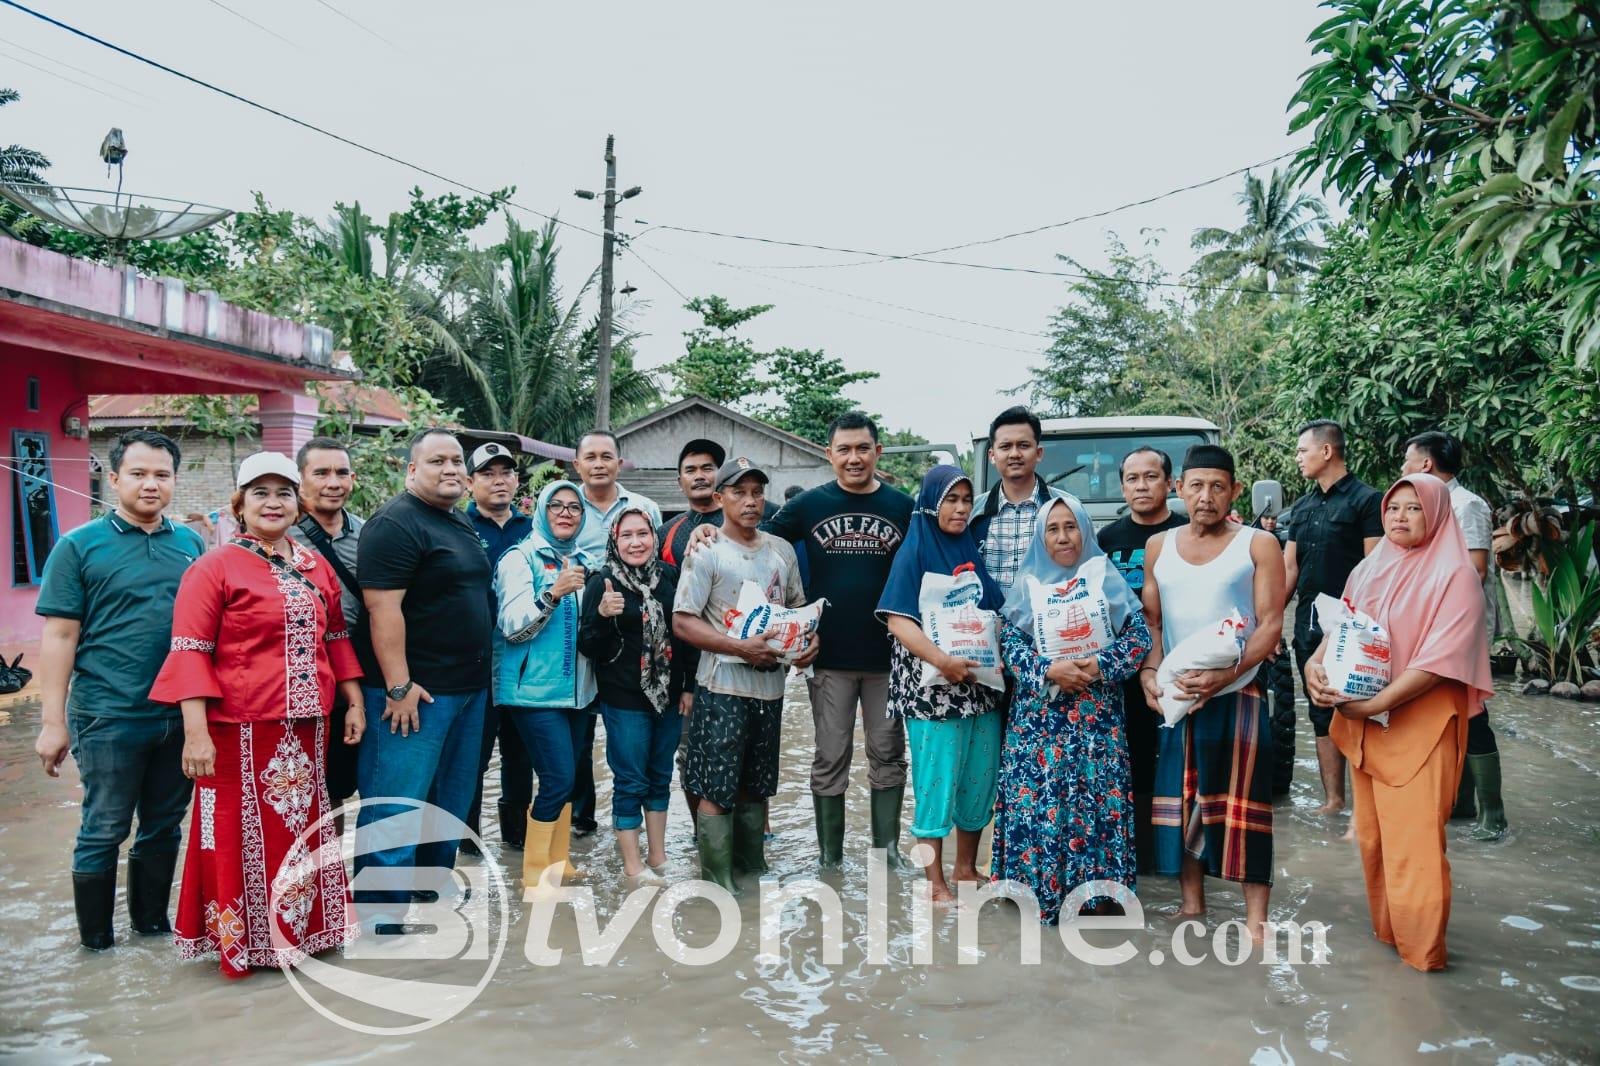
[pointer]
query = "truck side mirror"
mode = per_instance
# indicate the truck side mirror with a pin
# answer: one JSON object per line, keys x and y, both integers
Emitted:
{"x": 1266, "y": 499}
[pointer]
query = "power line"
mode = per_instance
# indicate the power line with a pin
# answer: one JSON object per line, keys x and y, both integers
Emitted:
{"x": 379, "y": 153}
{"x": 1091, "y": 216}
{"x": 73, "y": 81}
{"x": 629, "y": 249}
{"x": 80, "y": 70}
{"x": 363, "y": 27}
{"x": 246, "y": 18}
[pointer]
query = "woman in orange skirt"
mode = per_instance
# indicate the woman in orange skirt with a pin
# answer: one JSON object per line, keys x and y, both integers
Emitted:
{"x": 1420, "y": 586}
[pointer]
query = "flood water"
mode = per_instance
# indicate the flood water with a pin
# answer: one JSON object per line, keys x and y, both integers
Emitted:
{"x": 1523, "y": 984}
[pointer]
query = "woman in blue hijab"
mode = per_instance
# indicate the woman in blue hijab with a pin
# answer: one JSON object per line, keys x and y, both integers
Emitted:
{"x": 954, "y": 728}
{"x": 540, "y": 678}
{"x": 1065, "y": 810}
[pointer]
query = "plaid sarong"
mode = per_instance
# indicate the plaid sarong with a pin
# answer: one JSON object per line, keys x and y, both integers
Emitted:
{"x": 1213, "y": 794}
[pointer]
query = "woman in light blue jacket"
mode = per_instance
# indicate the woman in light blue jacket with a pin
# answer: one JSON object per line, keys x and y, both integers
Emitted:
{"x": 539, "y": 676}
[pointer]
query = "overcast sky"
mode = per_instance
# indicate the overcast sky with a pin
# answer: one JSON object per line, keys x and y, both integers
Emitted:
{"x": 894, "y": 127}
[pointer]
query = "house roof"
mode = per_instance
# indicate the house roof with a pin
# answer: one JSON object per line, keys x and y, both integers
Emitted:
{"x": 376, "y": 407}
{"x": 755, "y": 425}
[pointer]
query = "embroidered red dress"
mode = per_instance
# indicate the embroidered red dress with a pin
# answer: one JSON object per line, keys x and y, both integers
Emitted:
{"x": 264, "y": 641}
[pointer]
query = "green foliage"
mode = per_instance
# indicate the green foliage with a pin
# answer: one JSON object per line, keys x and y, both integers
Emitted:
{"x": 379, "y": 459}
{"x": 1478, "y": 116}
{"x": 1275, "y": 245}
{"x": 717, "y": 364}
{"x": 810, "y": 388}
{"x": 1395, "y": 338}
{"x": 909, "y": 467}
{"x": 1566, "y": 611}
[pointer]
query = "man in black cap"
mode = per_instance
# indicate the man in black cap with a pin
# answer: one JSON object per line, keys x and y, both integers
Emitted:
{"x": 734, "y": 732}
{"x": 500, "y": 526}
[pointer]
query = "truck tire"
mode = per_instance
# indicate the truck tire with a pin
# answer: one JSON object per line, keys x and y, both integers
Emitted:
{"x": 1278, "y": 687}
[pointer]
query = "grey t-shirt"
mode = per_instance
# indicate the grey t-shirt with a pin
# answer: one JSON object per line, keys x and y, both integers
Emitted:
{"x": 709, "y": 587}
{"x": 345, "y": 546}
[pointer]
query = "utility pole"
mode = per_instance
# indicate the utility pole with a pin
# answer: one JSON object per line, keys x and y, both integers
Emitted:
{"x": 602, "y": 398}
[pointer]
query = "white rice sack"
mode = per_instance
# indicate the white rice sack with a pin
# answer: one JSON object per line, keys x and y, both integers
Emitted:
{"x": 1213, "y": 648}
{"x": 952, "y": 619}
{"x": 1072, "y": 621}
{"x": 1357, "y": 659}
{"x": 788, "y": 629}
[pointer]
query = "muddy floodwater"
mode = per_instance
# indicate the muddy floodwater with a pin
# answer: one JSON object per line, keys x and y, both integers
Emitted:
{"x": 1523, "y": 983}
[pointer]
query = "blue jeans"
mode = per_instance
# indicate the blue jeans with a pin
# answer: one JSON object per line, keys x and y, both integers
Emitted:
{"x": 553, "y": 736}
{"x": 640, "y": 746}
{"x": 436, "y": 764}
{"x": 128, "y": 766}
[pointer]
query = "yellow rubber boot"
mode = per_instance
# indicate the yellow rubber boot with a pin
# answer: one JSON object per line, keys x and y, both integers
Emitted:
{"x": 536, "y": 852}
{"x": 561, "y": 847}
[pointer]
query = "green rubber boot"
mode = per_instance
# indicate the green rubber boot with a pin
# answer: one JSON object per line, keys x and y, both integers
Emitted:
{"x": 1464, "y": 808}
{"x": 886, "y": 803}
{"x": 1491, "y": 809}
{"x": 714, "y": 836}
{"x": 749, "y": 827}
{"x": 830, "y": 829}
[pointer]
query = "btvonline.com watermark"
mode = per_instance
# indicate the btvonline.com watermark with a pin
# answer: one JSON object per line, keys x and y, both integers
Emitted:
{"x": 428, "y": 960}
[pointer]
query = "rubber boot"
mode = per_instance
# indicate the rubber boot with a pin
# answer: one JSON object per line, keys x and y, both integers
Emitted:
{"x": 94, "y": 897}
{"x": 886, "y": 803}
{"x": 714, "y": 837}
{"x": 749, "y": 837}
{"x": 1491, "y": 809}
{"x": 535, "y": 851}
{"x": 830, "y": 829}
{"x": 149, "y": 892}
{"x": 1464, "y": 808}
{"x": 513, "y": 825}
{"x": 561, "y": 848}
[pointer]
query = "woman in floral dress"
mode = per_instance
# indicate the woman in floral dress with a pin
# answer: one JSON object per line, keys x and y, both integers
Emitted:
{"x": 1064, "y": 816}
{"x": 258, "y": 645}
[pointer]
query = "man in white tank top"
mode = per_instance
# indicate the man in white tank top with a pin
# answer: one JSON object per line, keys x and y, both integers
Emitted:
{"x": 1212, "y": 808}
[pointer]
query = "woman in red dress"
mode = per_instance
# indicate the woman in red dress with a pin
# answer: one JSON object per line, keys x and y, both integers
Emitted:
{"x": 258, "y": 646}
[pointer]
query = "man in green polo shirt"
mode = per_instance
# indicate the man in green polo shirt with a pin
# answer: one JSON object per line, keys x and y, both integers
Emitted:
{"x": 107, "y": 599}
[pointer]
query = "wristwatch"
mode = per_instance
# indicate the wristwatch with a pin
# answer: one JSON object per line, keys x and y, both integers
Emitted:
{"x": 398, "y": 693}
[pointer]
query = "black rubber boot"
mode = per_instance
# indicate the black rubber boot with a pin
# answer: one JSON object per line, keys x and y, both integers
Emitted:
{"x": 94, "y": 896}
{"x": 714, "y": 836}
{"x": 513, "y": 825}
{"x": 1491, "y": 808}
{"x": 749, "y": 828}
{"x": 1464, "y": 807}
{"x": 149, "y": 892}
{"x": 886, "y": 803}
{"x": 830, "y": 829}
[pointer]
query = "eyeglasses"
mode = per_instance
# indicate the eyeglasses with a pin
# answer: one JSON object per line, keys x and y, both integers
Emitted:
{"x": 556, "y": 507}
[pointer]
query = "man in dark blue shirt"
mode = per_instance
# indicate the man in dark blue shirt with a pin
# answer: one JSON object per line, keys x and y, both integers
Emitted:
{"x": 500, "y": 527}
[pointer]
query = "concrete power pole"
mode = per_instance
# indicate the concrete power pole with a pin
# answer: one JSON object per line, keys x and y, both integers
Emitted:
{"x": 602, "y": 390}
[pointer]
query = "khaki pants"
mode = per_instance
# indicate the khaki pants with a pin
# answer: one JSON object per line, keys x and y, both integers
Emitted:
{"x": 835, "y": 695}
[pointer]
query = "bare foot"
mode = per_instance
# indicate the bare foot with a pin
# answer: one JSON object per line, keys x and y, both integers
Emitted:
{"x": 1186, "y": 914}
{"x": 1349, "y": 834}
{"x": 969, "y": 874}
{"x": 1331, "y": 807}
{"x": 656, "y": 859}
{"x": 942, "y": 897}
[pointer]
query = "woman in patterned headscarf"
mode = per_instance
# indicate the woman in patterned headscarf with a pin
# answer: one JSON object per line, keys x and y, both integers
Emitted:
{"x": 258, "y": 645}
{"x": 626, "y": 632}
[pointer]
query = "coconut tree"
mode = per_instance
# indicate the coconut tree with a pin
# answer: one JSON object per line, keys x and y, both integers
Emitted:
{"x": 19, "y": 166}
{"x": 1273, "y": 248}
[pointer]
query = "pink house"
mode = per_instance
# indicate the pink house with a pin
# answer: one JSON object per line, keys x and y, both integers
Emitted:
{"x": 70, "y": 329}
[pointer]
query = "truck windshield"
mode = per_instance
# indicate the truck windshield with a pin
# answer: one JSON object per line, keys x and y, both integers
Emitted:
{"x": 1087, "y": 466}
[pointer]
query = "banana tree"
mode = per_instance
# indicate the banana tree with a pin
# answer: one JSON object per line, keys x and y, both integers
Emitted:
{"x": 1566, "y": 611}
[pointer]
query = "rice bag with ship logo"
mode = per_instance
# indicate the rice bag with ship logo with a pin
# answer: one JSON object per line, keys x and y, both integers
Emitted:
{"x": 952, "y": 619}
{"x": 1357, "y": 659}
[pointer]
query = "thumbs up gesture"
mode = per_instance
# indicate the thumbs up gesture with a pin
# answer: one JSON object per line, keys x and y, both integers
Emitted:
{"x": 569, "y": 580}
{"x": 610, "y": 602}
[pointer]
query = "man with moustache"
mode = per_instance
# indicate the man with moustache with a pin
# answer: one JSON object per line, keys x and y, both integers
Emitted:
{"x": 1212, "y": 810}
{"x": 598, "y": 461}
{"x": 500, "y": 526}
{"x": 326, "y": 526}
{"x": 1335, "y": 525}
{"x": 425, "y": 579}
{"x": 1146, "y": 479}
{"x": 107, "y": 597}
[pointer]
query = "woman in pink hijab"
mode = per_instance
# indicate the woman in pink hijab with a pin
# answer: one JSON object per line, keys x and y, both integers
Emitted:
{"x": 1419, "y": 584}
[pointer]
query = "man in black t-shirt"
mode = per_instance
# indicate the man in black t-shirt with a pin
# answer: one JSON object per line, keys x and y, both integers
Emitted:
{"x": 425, "y": 579}
{"x": 1146, "y": 479}
{"x": 1335, "y": 524}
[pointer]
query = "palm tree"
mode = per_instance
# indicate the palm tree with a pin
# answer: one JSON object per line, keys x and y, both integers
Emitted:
{"x": 1275, "y": 244}
{"x": 19, "y": 166}
{"x": 528, "y": 359}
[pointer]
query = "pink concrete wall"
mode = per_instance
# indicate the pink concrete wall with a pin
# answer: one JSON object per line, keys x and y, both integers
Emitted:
{"x": 58, "y": 390}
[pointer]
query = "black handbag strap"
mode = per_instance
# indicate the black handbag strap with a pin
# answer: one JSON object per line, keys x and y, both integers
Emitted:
{"x": 324, "y": 544}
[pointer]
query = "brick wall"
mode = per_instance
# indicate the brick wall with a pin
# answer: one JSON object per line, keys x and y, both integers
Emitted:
{"x": 206, "y": 480}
